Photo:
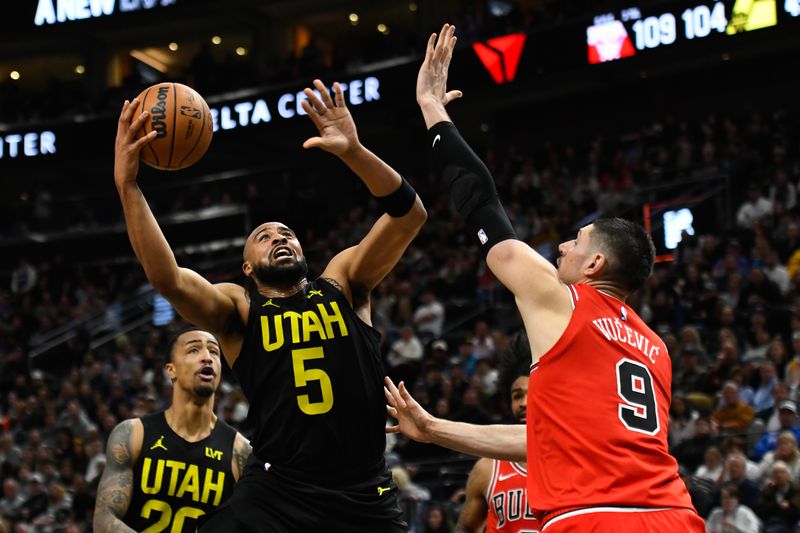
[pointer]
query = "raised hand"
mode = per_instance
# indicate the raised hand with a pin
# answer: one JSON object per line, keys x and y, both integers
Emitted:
{"x": 337, "y": 131}
{"x": 127, "y": 147}
{"x": 412, "y": 420}
{"x": 432, "y": 77}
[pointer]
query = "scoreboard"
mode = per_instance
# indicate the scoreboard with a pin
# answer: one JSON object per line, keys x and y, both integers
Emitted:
{"x": 635, "y": 30}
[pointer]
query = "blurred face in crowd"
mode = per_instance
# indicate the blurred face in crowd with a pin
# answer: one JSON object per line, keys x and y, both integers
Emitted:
{"x": 786, "y": 446}
{"x": 736, "y": 467}
{"x": 729, "y": 501}
{"x": 730, "y": 394}
{"x": 781, "y": 474}
{"x": 787, "y": 418}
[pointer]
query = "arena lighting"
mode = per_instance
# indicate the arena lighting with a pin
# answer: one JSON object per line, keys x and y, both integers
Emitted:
{"x": 14, "y": 75}
{"x": 412, "y": 7}
{"x": 383, "y": 29}
{"x": 80, "y": 69}
{"x": 241, "y": 51}
{"x": 216, "y": 39}
{"x": 150, "y": 61}
{"x": 173, "y": 47}
{"x": 500, "y": 56}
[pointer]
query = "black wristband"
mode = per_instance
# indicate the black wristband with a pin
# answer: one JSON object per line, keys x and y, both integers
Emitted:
{"x": 400, "y": 201}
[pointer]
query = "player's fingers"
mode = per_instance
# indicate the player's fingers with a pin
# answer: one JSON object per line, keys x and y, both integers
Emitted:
{"x": 429, "y": 48}
{"x": 136, "y": 125}
{"x": 312, "y": 97}
{"x": 391, "y": 410}
{"x": 438, "y": 50}
{"x": 325, "y": 93}
{"x": 146, "y": 139}
{"x": 393, "y": 429}
{"x": 313, "y": 142}
{"x": 405, "y": 395}
{"x": 452, "y": 95}
{"x": 399, "y": 402}
{"x": 339, "y": 95}
{"x": 312, "y": 113}
{"x": 389, "y": 398}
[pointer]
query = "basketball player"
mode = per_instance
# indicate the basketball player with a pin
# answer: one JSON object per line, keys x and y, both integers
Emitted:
{"x": 166, "y": 469}
{"x": 304, "y": 352}
{"x": 496, "y": 490}
{"x": 600, "y": 378}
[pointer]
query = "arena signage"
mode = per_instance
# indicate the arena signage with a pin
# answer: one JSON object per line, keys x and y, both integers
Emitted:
{"x": 287, "y": 105}
{"x": 18, "y": 145}
{"x": 57, "y": 11}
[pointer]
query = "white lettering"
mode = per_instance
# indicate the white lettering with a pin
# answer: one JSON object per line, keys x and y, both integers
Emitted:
{"x": 102, "y": 7}
{"x": 371, "y": 85}
{"x": 629, "y": 339}
{"x": 29, "y": 144}
{"x": 614, "y": 330}
{"x": 261, "y": 113}
{"x": 13, "y": 141}
{"x": 243, "y": 109}
{"x": 215, "y": 118}
{"x": 283, "y": 105}
{"x": 128, "y": 5}
{"x": 355, "y": 92}
{"x": 65, "y": 10}
{"x": 226, "y": 121}
{"x": 82, "y": 10}
{"x": 47, "y": 142}
{"x": 45, "y": 13}
{"x": 599, "y": 324}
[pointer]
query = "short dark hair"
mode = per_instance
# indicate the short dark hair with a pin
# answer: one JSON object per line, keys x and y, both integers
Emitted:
{"x": 174, "y": 340}
{"x": 629, "y": 251}
{"x": 515, "y": 362}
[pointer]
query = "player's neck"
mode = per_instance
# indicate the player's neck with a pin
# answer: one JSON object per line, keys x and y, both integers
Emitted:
{"x": 281, "y": 291}
{"x": 193, "y": 420}
{"x": 609, "y": 289}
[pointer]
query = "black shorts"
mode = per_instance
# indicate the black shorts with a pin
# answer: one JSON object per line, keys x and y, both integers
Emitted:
{"x": 272, "y": 502}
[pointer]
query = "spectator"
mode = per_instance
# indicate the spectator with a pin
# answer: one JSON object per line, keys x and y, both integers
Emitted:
{"x": 787, "y": 418}
{"x": 405, "y": 356}
{"x": 437, "y": 521}
{"x": 711, "y": 469}
{"x": 691, "y": 452}
{"x": 429, "y": 317}
{"x": 12, "y": 501}
{"x": 735, "y": 474}
{"x": 763, "y": 398}
{"x": 756, "y": 208}
{"x": 482, "y": 341}
{"x": 780, "y": 393}
{"x": 779, "y": 507}
{"x": 682, "y": 419}
{"x": 732, "y": 416}
{"x": 786, "y": 451}
{"x": 732, "y": 517}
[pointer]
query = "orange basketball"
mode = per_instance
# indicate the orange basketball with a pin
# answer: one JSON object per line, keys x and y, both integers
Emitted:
{"x": 183, "y": 122}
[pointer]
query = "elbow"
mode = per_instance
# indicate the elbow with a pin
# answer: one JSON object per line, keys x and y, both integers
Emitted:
{"x": 418, "y": 214}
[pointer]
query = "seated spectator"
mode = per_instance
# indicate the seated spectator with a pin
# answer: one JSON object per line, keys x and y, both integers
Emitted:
{"x": 786, "y": 451}
{"x": 779, "y": 507}
{"x": 738, "y": 445}
{"x": 429, "y": 317}
{"x": 732, "y": 516}
{"x": 780, "y": 393}
{"x": 681, "y": 420}
{"x": 690, "y": 452}
{"x": 787, "y": 415}
{"x": 756, "y": 207}
{"x": 405, "y": 355}
{"x": 736, "y": 474}
{"x": 12, "y": 500}
{"x": 691, "y": 376}
{"x": 711, "y": 469}
{"x": 763, "y": 398}
{"x": 733, "y": 416}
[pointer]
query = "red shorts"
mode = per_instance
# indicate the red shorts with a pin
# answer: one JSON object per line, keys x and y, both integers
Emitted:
{"x": 625, "y": 519}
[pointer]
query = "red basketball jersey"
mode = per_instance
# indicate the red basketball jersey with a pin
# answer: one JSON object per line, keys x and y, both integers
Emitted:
{"x": 507, "y": 499}
{"x": 598, "y": 405}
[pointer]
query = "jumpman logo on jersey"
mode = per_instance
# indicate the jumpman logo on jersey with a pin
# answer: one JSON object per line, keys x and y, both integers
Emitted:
{"x": 269, "y": 302}
{"x": 314, "y": 293}
{"x": 159, "y": 444}
{"x": 381, "y": 490}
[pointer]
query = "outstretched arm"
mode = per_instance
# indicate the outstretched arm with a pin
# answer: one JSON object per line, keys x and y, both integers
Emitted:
{"x": 472, "y": 517}
{"x": 363, "y": 266}
{"x": 114, "y": 490}
{"x": 497, "y": 441}
{"x": 196, "y": 300}
{"x": 241, "y": 452}
{"x": 533, "y": 280}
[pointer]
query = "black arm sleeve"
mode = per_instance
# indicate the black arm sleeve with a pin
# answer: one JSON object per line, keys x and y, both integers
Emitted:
{"x": 471, "y": 186}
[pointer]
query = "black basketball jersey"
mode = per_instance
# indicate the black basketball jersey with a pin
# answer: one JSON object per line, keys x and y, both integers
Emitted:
{"x": 312, "y": 372}
{"x": 175, "y": 481}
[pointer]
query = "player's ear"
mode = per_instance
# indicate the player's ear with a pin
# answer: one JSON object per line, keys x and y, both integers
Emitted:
{"x": 247, "y": 268}
{"x": 170, "y": 368}
{"x": 597, "y": 263}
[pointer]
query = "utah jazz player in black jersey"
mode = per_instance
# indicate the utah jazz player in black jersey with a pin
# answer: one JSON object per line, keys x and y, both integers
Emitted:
{"x": 167, "y": 469}
{"x": 305, "y": 352}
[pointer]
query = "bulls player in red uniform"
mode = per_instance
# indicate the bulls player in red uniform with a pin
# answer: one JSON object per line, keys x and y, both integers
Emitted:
{"x": 600, "y": 378}
{"x": 496, "y": 490}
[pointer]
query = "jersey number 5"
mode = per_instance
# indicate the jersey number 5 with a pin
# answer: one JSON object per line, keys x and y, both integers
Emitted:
{"x": 638, "y": 410}
{"x": 303, "y": 375}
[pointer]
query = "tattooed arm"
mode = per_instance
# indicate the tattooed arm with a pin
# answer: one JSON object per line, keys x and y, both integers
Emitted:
{"x": 114, "y": 491}
{"x": 241, "y": 451}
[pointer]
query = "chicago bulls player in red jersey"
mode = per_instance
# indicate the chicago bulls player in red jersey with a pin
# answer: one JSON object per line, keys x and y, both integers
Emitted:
{"x": 496, "y": 490}
{"x": 600, "y": 379}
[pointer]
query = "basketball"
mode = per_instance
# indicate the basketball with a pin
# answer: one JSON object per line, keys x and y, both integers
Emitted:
{"x": 183, "y": 122}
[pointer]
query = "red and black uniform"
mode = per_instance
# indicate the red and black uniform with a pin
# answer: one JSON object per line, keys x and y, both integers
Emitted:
{"x": 507, "y": 499}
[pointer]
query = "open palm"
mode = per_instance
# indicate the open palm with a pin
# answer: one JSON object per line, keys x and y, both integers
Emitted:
{"x": 337, "y": 131}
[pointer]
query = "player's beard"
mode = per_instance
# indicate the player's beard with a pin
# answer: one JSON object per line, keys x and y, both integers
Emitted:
{"x": 283, "y": 274}
{"x": 203, "y": 390}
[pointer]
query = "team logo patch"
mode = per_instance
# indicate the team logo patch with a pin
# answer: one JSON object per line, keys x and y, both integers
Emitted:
{"x": 623, "y": 313}
{"x": 159, "y": 444}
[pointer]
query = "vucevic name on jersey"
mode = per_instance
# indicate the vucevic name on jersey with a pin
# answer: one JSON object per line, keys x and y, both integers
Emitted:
{"x": 175, "y": 481}
{"x": 312, "y": 371}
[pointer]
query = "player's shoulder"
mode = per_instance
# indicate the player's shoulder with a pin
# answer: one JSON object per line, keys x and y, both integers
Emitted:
{"x": 126, "y": 439}
{"x": 232, "y": 290}
{"x": 481, "y": 475}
